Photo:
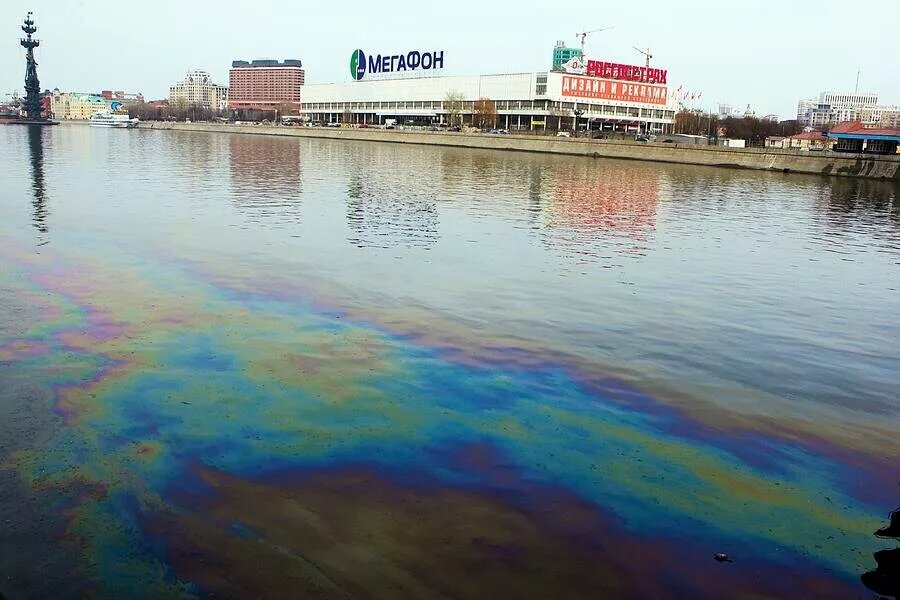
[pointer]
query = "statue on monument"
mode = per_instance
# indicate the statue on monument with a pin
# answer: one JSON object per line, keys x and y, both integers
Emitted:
{"x": 32, "y": 104}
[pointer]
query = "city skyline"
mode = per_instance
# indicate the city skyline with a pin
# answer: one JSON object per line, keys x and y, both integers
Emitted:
{"x": 780, "y": 54}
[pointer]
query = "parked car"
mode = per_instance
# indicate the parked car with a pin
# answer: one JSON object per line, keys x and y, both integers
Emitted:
{"x": 455, "y": 128}
{"x": 563, "y": 134}
{"x": 333, "y": 124}
{"x": 363, "y": 126}
{"x": 641, "y": 138}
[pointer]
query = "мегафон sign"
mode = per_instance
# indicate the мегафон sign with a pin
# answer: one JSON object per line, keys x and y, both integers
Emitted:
{"x": 362, "y": 65}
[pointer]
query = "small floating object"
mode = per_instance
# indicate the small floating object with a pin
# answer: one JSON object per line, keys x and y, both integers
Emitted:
{"x": 722, "y": 557}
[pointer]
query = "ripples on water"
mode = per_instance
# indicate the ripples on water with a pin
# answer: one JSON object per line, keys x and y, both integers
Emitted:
{"x": 698, "y": 277}
{"x": 695, "y": 276}
{"x": 764, "y": 297}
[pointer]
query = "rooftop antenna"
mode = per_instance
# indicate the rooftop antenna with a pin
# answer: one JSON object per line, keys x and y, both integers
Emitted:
{"x": 857, "y": 81}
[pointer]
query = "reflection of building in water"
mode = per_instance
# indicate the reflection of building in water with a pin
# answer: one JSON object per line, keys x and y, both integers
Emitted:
{"x": 36, "y": 151}
{"x": 266, "y": 176}
{"x": 849, "y": 196}
{"x": 595, "y": 207}
{"x": 384, "y": 212}
{"x": 853, "y": 205}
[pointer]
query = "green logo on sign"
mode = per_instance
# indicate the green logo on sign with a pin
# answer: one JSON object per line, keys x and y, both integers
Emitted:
{"x": 358, "y": 65}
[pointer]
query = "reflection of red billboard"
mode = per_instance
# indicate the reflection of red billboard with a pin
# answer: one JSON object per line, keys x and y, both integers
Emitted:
{"x": 619, "y": 202}
{"x": 608, "y": 70}
{"x": 603, "y": 89}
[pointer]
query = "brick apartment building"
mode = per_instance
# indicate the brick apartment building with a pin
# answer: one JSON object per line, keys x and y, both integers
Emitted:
{"x": 265, "y": 85}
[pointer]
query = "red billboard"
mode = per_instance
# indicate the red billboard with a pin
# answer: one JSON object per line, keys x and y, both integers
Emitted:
{"x": 603, "y": 89}
{"x": 608, "y": 70}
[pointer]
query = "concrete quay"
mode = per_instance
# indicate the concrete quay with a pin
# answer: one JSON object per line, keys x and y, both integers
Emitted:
{"x": 763, "y": 159}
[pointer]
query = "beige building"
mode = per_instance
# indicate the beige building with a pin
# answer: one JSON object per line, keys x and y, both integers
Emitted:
{"x": 197, "y": 88}
{"x": 808, "y": 140}
{"x": 890, "y": 117}
{"x": 75, "y": 106}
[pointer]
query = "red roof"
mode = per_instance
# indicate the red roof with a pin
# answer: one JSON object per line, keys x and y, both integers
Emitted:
{"x": 857, "y": 127}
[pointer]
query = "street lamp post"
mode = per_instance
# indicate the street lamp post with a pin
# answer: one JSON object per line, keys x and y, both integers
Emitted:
{"x": 577, "y": 112}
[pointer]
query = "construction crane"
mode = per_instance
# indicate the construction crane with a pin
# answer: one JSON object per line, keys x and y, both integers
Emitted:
{"x": 646, "y": 54}
{"x": 584, "y": 35}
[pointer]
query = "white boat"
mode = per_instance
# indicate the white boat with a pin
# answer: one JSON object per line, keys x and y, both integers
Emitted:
{"x": 105, "y": 118}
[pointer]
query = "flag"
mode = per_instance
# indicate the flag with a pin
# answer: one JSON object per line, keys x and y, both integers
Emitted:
{"x": 698, "y": 95}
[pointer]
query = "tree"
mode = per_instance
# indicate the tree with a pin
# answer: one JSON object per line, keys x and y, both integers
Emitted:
{"x": 453, "y": 103}
{"x": 287, "y": 109}
{"x": 755, "y": 131}
{"x": 790, "y": 127}
{"x": 691, "y": 122}
{"x": 485, "y": 113}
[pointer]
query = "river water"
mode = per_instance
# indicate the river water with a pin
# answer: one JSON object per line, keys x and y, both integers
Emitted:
{"x": 244, "y": 366}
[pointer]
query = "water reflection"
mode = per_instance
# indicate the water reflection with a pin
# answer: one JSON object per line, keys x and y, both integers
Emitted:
{"x": 385, "y": 213}
{"x": 852, "y": 197}
{"x": 851, "y": 204}
{"x": 597, "y": 210}
{"x": 847, "y": 207}
{"x": 266, "y": 177}
{"x": 39, "y": 203}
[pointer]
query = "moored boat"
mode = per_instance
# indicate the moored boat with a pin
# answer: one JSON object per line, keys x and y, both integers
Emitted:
{"x": 105, "y": 118}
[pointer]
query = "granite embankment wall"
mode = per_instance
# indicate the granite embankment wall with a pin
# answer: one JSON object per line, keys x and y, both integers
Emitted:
{"x": 764, "y": 159}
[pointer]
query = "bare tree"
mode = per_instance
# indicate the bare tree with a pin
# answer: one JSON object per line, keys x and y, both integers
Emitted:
{"x": 287, "y": 109}
{"x": 179, "y": 108}
{"x": 453, "y": 103}
{"x": 485, "y": 113}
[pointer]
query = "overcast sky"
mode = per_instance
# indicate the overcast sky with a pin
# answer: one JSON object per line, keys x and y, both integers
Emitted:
{"x": 765, "y": 53}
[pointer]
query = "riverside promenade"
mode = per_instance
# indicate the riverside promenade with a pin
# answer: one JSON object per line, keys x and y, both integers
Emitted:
{"x": 763, "y": 159}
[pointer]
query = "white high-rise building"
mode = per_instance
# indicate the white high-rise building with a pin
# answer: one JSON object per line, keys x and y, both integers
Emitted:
{"x": 803, "y": 109}
{"x": 197, "y": 88}
{"x": 835, "y": 107}
{"x": 848, "y": 99}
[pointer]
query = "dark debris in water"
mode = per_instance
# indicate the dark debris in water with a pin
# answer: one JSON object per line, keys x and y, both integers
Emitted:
{"x": 722, "y": 557}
